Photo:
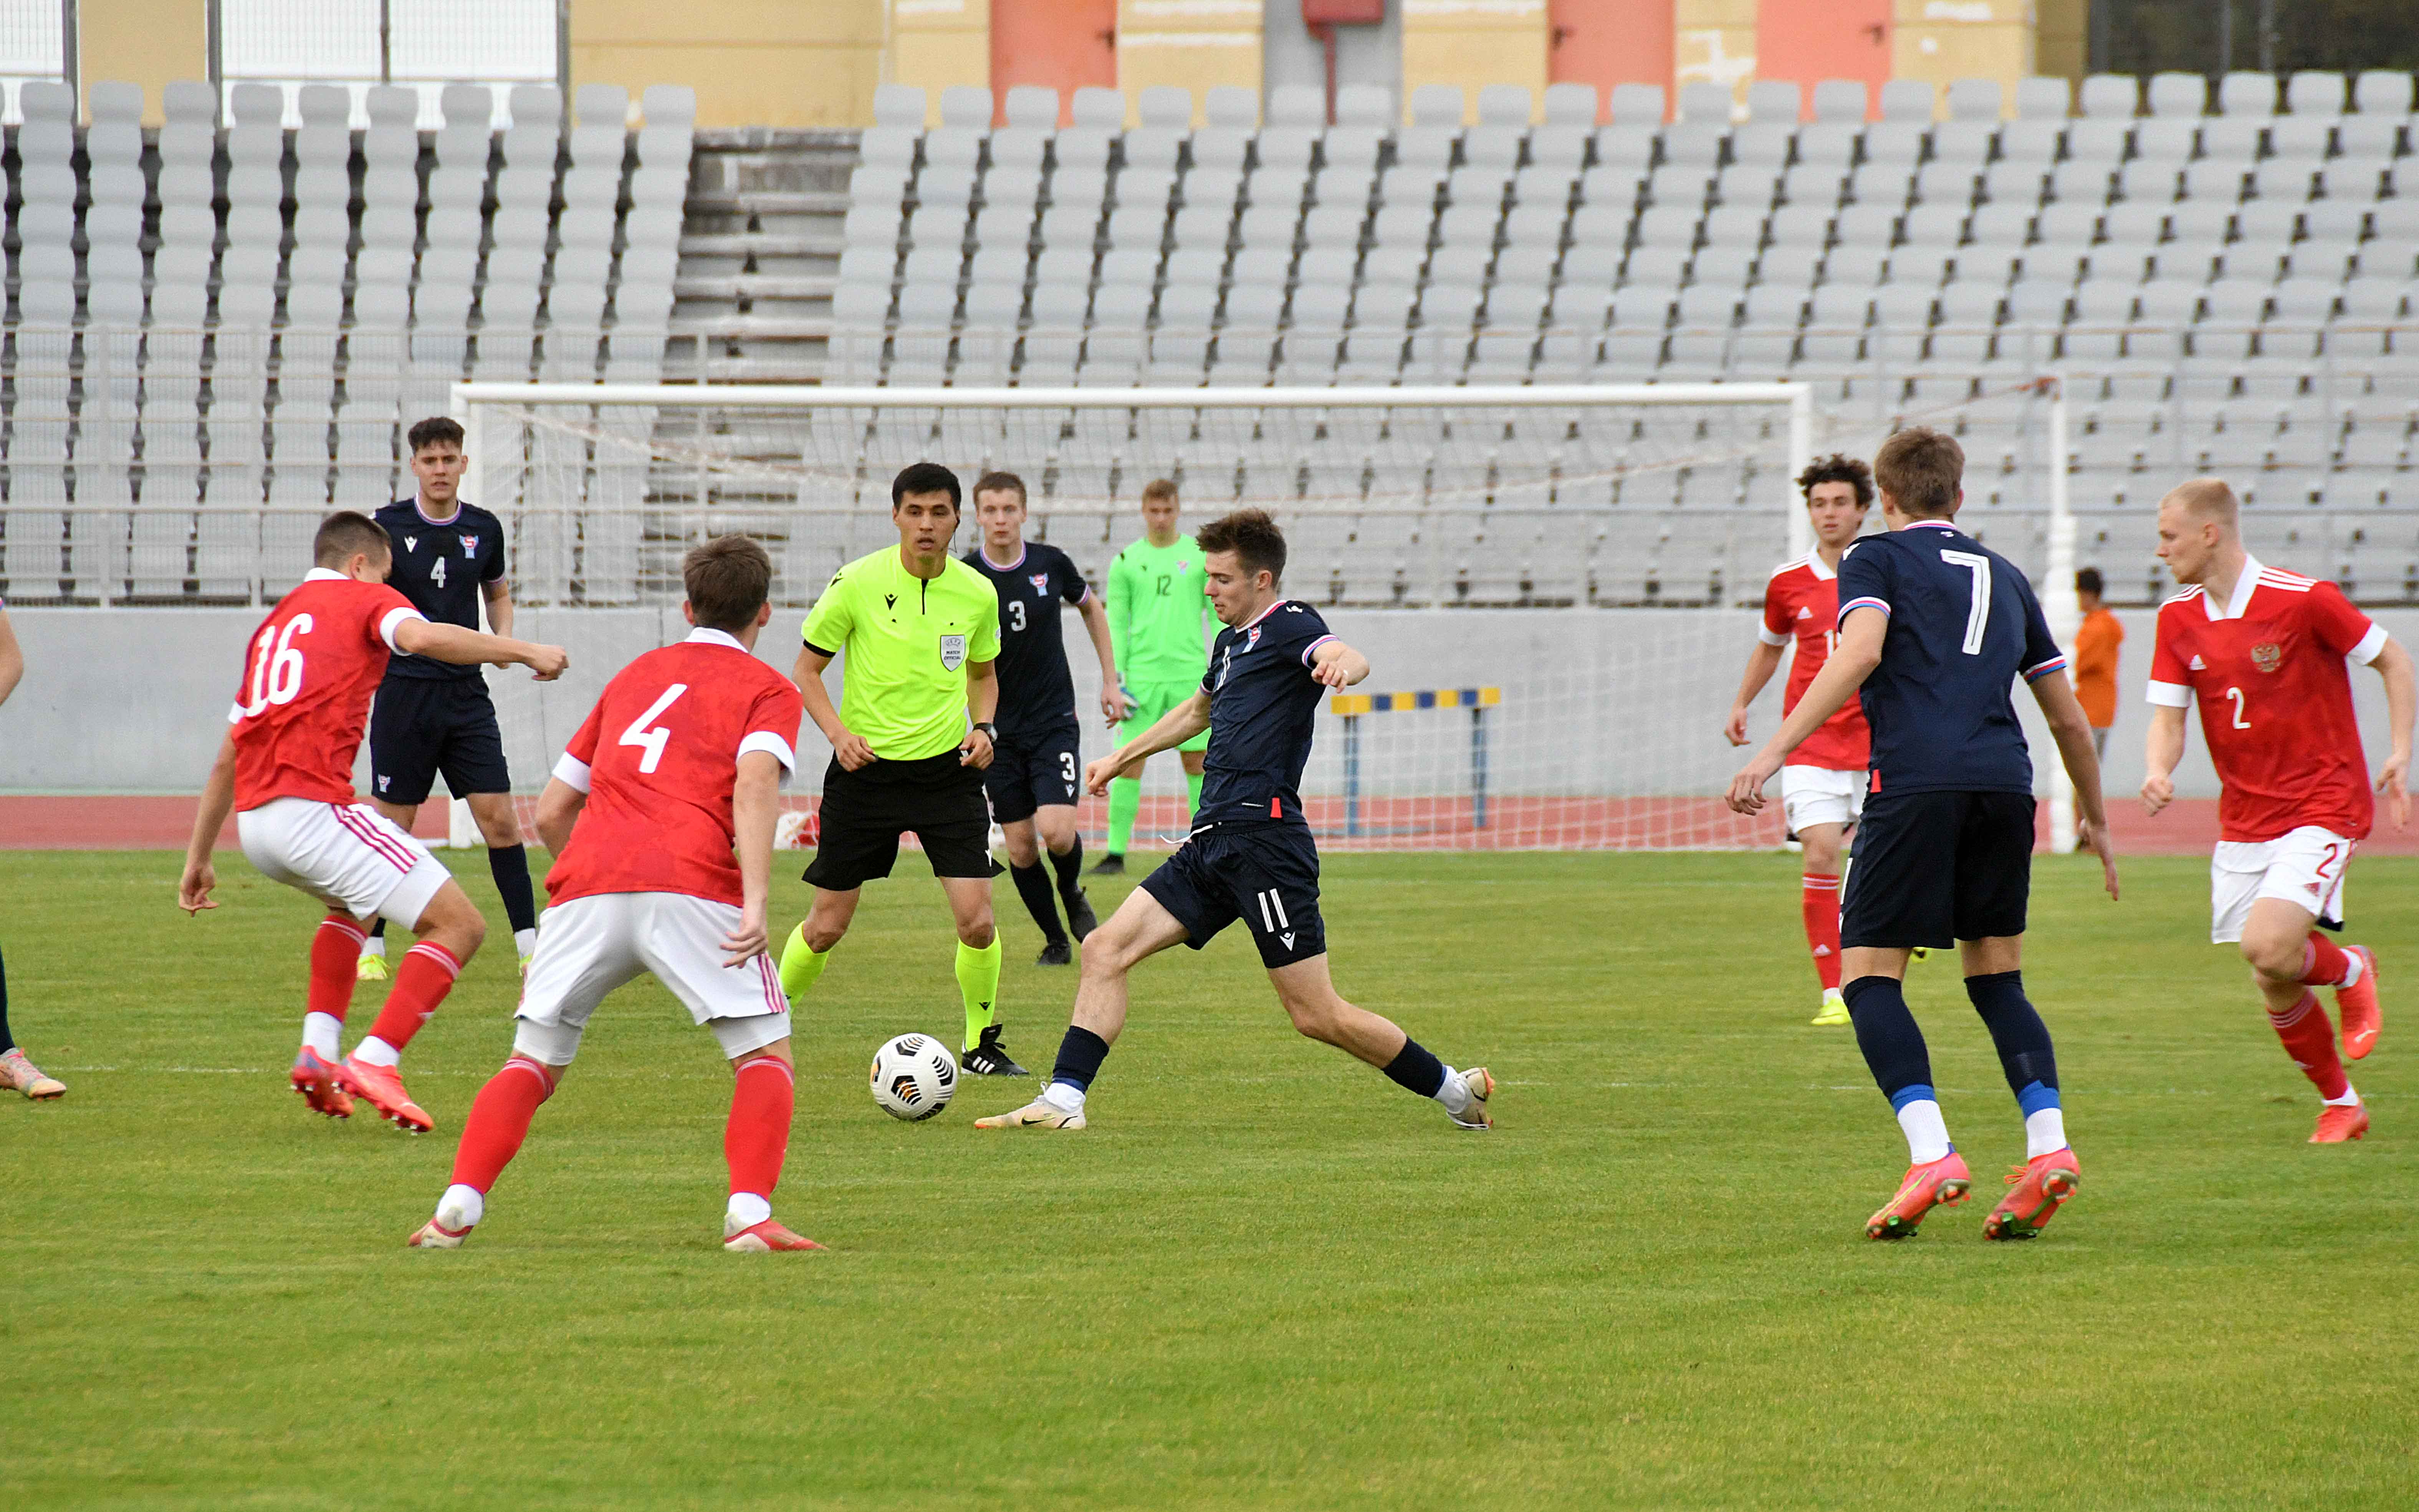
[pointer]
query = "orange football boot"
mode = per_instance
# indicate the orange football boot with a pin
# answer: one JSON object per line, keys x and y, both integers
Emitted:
{"x": 2036, "y": 1189}
{"x": 1939, "y": 1183}
{"x": 2340, "y": 1125}
{"x": 758, "y": 1239}
{"x": 381, "y": 1087}
{"x": 2357, "y": 1005}
{"x": 315, "y": 1081}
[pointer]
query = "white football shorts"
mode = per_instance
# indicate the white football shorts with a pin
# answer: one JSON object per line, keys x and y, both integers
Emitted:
{"x": 587, "y": 946}
{"x": 2303, "y": 867}
{"x": 1818, "y": 796}
{"x": 348, "y": 854}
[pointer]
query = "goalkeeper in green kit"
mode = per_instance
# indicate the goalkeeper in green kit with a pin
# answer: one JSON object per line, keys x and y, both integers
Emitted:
{"x": 1159, "y": 624}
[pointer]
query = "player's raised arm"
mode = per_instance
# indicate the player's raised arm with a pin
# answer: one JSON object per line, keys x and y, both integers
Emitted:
{"x": 1337, "y": 665}
{"x": 1179, "y": 725}
{"x": 2072, "y": 729}
{"x": 464, "y": 648}
{"x": 1861, "y": 630}
{"x": 218, "y": 801}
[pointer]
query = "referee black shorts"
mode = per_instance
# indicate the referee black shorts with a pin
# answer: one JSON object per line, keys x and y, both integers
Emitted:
{"x": 1032, "y": 771}
{"x": 1931, "y": 869}
{"x": 865, "y": 811}
{"x": 422, "y": 726}
{"x": 1267, "y": 876}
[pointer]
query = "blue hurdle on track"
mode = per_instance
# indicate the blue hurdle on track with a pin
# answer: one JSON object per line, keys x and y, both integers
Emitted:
{"x": 1353, "y": 707}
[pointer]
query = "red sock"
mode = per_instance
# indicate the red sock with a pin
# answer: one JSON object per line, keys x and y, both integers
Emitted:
{"x": 2323, "y": 963}
{"x": 758, "y": 1134}
{"x": 500, "y": 1120}
{"x": 421, "y": 983}
{"x": 1820, "y": 903}
{"x": 2310, "y": 1039}
{"x": 335, "y": 957}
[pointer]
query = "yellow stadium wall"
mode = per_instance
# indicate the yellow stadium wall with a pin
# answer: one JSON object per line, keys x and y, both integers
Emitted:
{"x": 1942, "y": 40}
{"x": 149, "y": 42}
{"x": 753, "y": 62}
{"x": 1713, "y": 41}
{"x": 1473, "y": 43}
{"x": 1195, "y": 44}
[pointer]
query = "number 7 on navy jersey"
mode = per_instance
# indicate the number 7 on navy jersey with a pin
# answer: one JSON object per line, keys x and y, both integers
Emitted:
{"x": 1977, "y": 613}
{"x": 652, "y": 741}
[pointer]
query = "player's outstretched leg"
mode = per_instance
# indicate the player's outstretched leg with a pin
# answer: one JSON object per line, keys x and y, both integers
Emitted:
{"x": 491, "y": 1136}
{"x": 1308, "y": 993}
{"x": 2276, "y": 943}
{"x": 764, "y": 1094}
{"x": 450, "y": 933}
{"x": 2049, "y": 1176}
{"x": 1901, "y": 1066}
{"x": 1140, "y": 928}
{"x": 335, "y": 946}
{"x": 16, "y": 1072}
{"x": 2351, "y": 971}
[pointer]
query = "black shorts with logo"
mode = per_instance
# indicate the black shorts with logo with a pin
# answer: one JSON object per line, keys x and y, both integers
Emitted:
{"x": 865, "y": 811}
{"x": 1931, "y": 869}
{"x": 422, "y": 726}
{"x": 1265, "y": 875}
{"x": 1031, "y": 771}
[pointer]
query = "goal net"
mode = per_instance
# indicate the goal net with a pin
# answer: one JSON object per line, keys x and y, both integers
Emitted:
{"x": 1556, "y": 587}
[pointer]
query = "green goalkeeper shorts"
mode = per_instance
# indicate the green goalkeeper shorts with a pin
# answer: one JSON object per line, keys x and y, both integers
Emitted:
{"x": 1152, "y": 701}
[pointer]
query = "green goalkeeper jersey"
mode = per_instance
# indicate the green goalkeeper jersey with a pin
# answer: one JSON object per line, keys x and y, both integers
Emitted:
{"x": 1159, "y": 614}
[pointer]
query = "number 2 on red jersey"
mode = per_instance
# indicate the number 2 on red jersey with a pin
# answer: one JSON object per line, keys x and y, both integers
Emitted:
{"x": 652, "y": 741}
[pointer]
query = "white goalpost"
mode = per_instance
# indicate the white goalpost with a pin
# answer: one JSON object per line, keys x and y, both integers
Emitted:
{"x": 1556, "y": 583}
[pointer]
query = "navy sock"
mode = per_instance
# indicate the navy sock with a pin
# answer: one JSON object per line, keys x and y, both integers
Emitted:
{"x": 1887, "y": 1033}
{"x": 1068, "y": 867}
{"x": 377, "y": 928}
{"x": 1416, "y": 1070}
{"x": 1033, "y": 886}
{"x": 8, "y": 1041}
{"x": 2022, "y": 1039}
{"x": 1079, "y": 1058}
{"x": 509, "y": 866}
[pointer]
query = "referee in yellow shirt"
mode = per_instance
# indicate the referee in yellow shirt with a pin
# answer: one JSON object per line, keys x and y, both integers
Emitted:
{"x": 921, "y": 631}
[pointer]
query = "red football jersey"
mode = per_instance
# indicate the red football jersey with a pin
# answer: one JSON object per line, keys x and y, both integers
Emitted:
{"x": 1802, "y": 601}
{"x": 309, "y": 672}
{"x": 658, "y": 758}
{"x": 2268, "y": 671}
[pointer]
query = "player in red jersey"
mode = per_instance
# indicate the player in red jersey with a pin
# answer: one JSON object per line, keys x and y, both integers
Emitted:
{"x": 2263, "y": 653}
{"x": 661, "y": 817}
{"x": 1823, "y": 787}
{"x": 287, "y": 770}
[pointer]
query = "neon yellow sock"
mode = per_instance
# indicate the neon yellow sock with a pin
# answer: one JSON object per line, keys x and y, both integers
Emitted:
{"x": 1125, "y": 801}
{"x": 1192, "y": 786}
{"x": 979, "y": 984}
{"x": 801, "y": 964}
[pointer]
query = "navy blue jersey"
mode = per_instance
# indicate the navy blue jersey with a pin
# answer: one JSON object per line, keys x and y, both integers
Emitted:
{"x": 1035, "y": 691}
{"x": 442, "y": 568}
{"x": 1964, "y": 626}
{"x": 1262, "y": 699}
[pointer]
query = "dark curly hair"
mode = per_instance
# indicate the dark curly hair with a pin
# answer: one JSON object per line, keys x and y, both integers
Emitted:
{"x": 1838, "y": 468}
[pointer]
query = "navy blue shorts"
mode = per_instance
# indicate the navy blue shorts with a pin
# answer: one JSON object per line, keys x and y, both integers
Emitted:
{"x": 1029, "y": 772}
{"x": 422, "y": 726}
{"x": 1931, "y": 869}
{"x": 1265, "y": 875}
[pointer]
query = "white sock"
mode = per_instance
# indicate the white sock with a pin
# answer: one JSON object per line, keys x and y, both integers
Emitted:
{"x": 2349, "y": 1100}
{"x": 747, "y": 1210}
{"x": 1927, "y": 1133}
{"x": 1064, "y": 1096}
{"x": 2044, "y": 1132}
{"x": 2353, "y": 966}
{"x": 374, "y": 1051}
{"x": 319, "y": 1033}
{"x": 1454, "y": 1093}
{"x": 461, "y": 1207}
{"x": 524, "y": 943}
{"x": 374, "y": 945}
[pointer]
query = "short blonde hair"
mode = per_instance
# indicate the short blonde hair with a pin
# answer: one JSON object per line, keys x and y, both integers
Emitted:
{"x": 1921, "y": 469}
{"x": 2207, "y": 499}
{"x": 1158, "y": 489}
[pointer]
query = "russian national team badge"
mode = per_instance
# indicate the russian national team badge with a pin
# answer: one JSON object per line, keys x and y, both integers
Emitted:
{"x": 1040, "y": 581}
{"x": 953, "y": 652}
{"x": 2267, "y": 656}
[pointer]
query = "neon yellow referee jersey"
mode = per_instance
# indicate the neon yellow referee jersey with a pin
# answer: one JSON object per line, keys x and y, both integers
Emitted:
{"x": 907, "y": 640}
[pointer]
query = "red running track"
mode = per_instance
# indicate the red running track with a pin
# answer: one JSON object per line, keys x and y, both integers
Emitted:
{"x": 102, "y": 822}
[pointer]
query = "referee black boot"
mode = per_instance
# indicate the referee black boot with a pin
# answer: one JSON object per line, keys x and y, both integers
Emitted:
{"x": 1055, "y": 953}
{"x": 989, "y": 1057}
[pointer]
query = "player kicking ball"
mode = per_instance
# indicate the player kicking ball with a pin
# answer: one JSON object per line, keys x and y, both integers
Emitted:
{"x": 1933, "y": 631}
{"x": 1823, "y": 787}
{"x": 661, "y": 817}
{"x": 2262, "y": 653}
{"x": 286, "y": 768}
{"x": 1250, "y": 854}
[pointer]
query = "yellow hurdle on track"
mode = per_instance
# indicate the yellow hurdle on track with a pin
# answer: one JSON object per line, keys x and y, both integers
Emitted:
{"x": 1353, "y": 707}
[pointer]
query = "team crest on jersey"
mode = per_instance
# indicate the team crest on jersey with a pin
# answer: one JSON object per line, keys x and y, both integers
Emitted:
{"x": 953, "y": 652}
{"x": 2267, "y": 656}
{"x": 469, "y": 545}
{"x": 1040, "y": 581}
{"x": 1252, "y": 638}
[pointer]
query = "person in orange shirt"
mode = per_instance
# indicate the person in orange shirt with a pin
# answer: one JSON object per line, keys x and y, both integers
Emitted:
{"x": 2095, "y": 658}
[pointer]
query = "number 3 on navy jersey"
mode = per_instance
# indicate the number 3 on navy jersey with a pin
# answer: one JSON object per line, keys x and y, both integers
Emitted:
{"x": 1977, "y": 613}
{"x": 1016, "y": 614}
{"x": 652, "y": 741}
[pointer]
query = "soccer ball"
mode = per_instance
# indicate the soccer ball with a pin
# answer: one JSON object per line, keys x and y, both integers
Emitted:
{"x": 914, "y": 1077}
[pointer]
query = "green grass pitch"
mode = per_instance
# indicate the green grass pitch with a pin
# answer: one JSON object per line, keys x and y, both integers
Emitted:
{"x": 1265, "y": 1277}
